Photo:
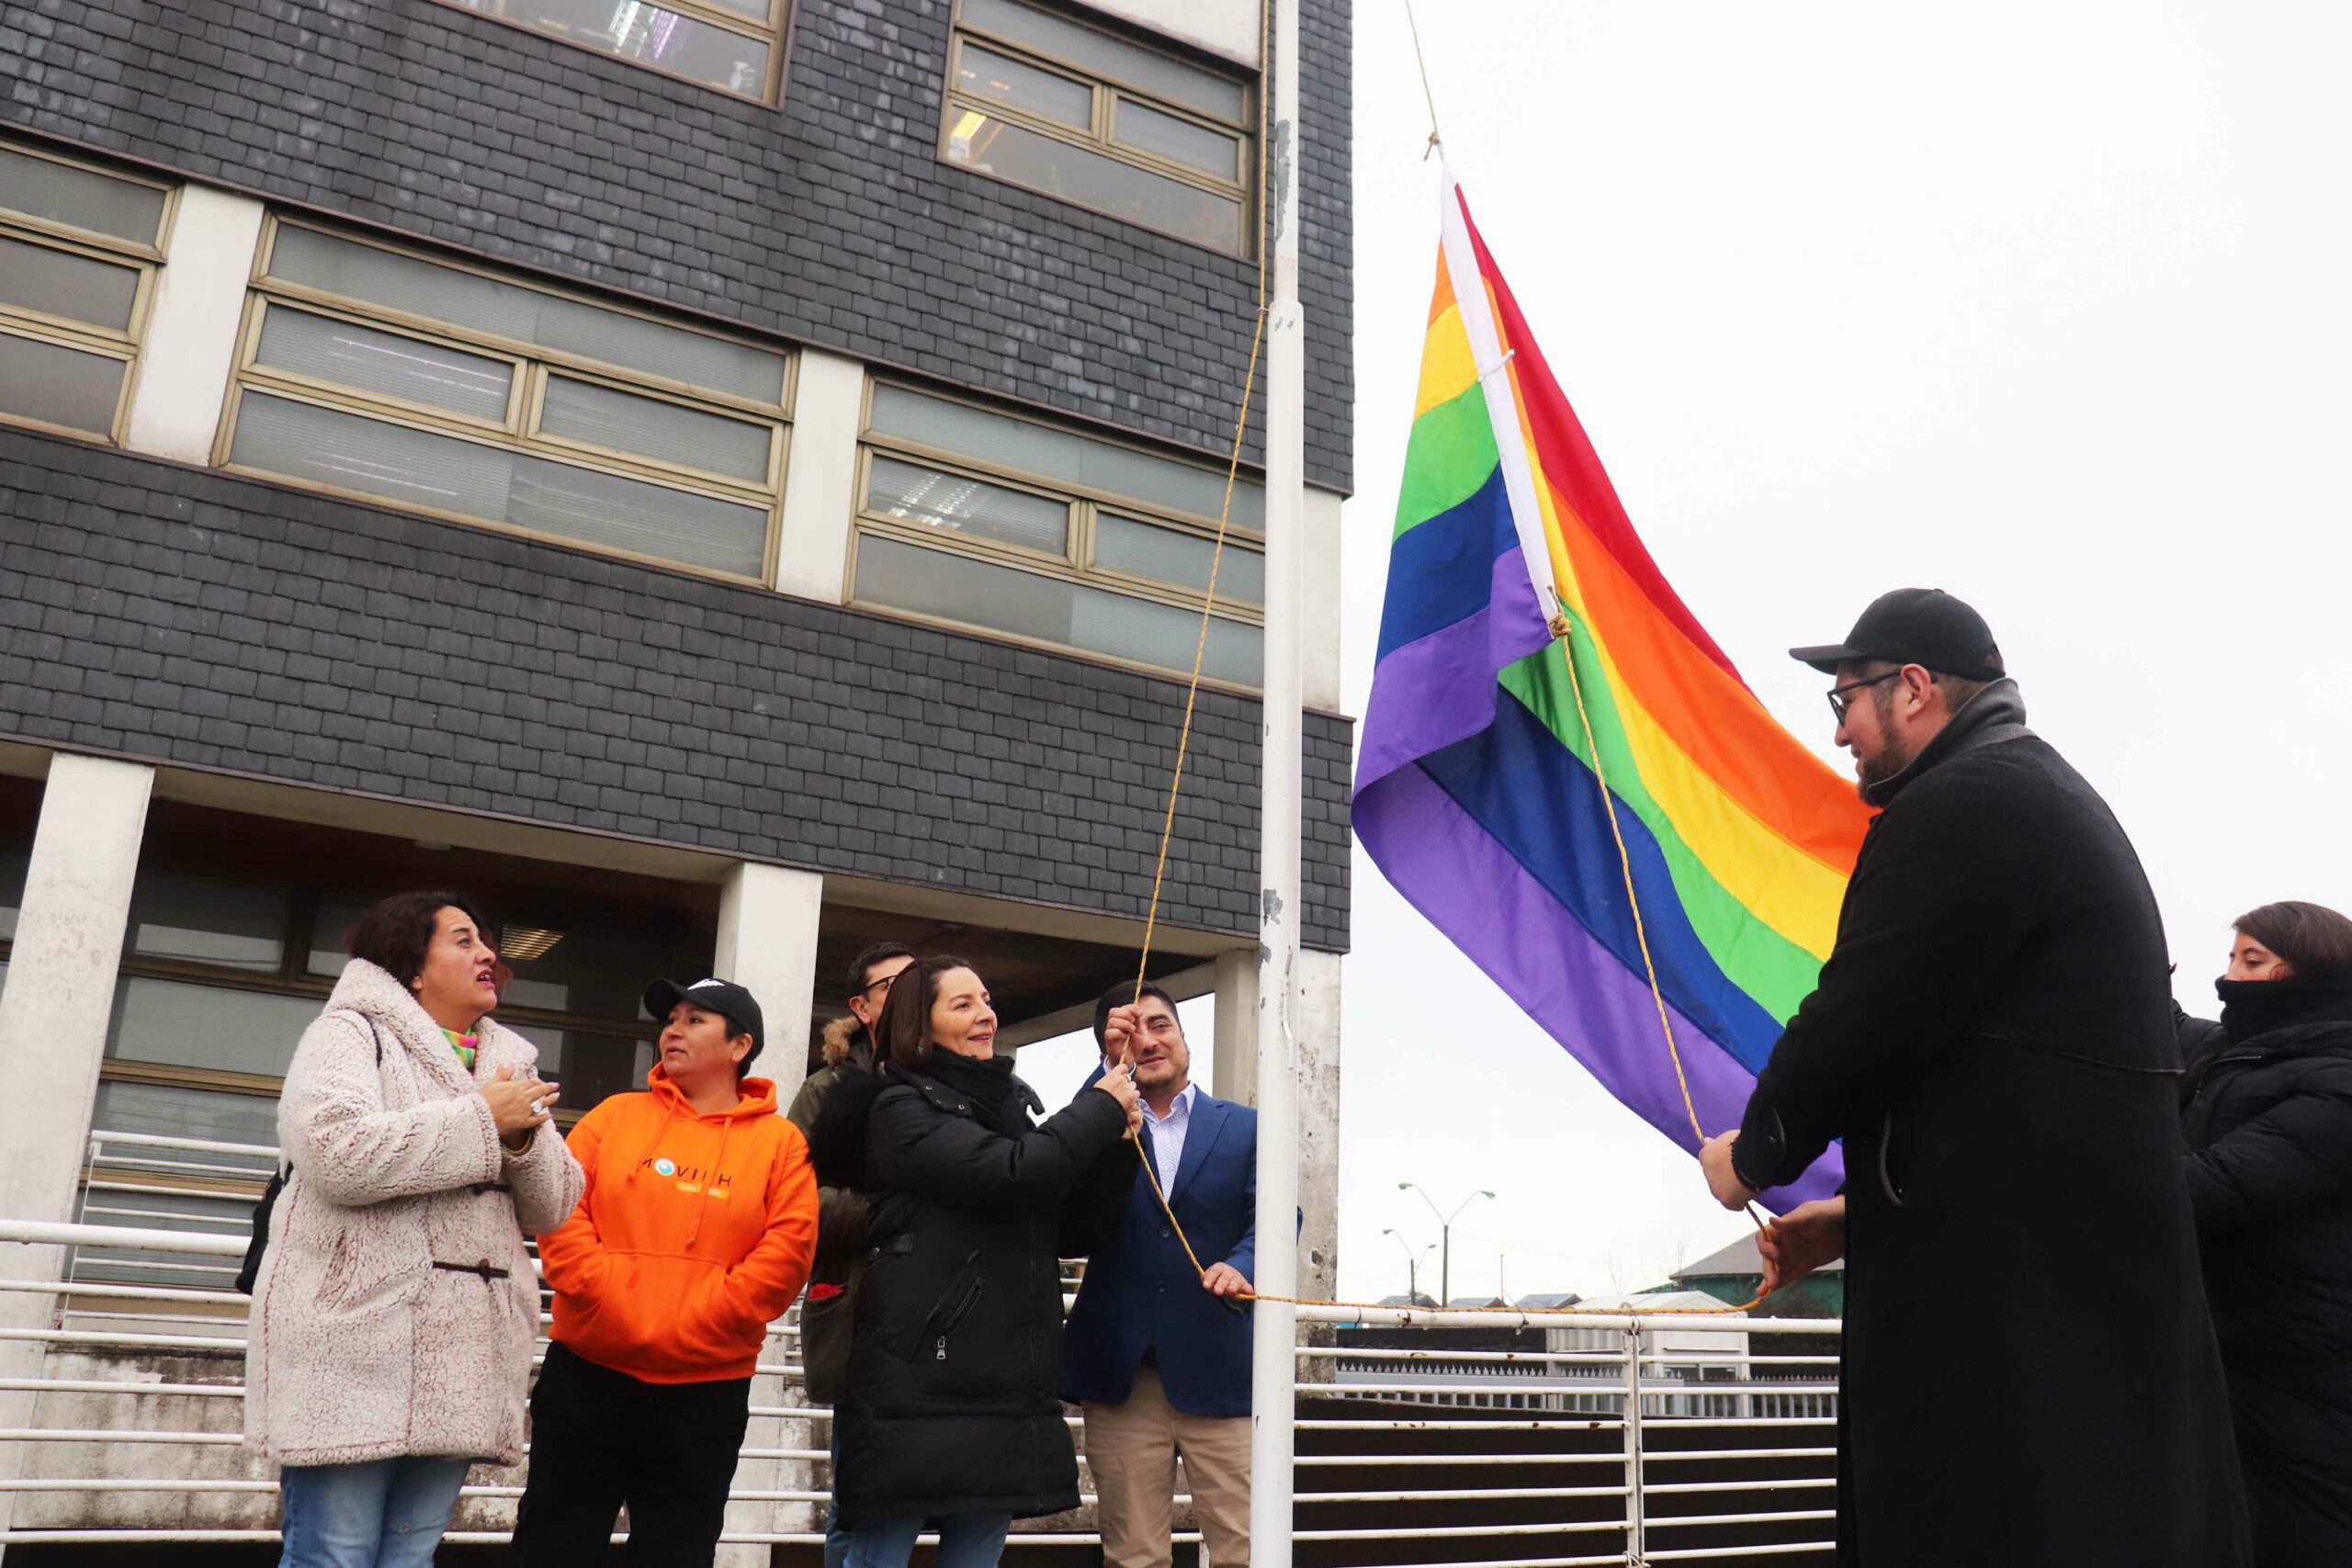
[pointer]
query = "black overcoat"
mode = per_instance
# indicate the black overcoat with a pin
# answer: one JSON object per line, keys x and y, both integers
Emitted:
{"x": 2030, "y": 1373}
{"x": 2268, "y": 1119}
{"x": 950, "y": 1405}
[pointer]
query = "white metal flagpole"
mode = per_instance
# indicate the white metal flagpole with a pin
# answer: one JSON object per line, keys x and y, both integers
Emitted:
{"x": 1274, "y": 1361}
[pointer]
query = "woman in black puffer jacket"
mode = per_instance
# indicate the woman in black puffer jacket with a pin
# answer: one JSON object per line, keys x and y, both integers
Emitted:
{"x": 949, "y": 1411}
{"x": 2268, "y": 1118}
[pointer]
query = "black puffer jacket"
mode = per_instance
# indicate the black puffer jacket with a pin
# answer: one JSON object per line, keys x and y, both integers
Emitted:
{"x": 950, "y": 1403}
{"x": 2268, "y": 1119}
{"x": 841, "y": 1218}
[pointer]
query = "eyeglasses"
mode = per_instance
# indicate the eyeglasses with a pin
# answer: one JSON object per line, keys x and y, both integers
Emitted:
{"x": 1837, "y": 693}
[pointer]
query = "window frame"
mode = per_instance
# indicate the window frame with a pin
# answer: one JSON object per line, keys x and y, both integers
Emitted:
{"x": 477, "y": 340}
{"x": 1108, "y": 92}
{"x": 535, "y": 397}
{"x": 776, "y": 33}
{"x": 248, "y": 362}
{"x": 520, "y": 432}
{"x": 146, "y": 258}
{"x": 1075, "y": 565}
{"x": 156, "y": 252}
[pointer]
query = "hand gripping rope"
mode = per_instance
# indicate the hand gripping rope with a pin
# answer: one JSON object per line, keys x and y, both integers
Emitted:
{"x": 1562, "y": 631}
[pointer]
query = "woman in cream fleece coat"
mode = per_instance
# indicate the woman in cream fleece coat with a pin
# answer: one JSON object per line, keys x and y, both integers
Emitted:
{"x": 396, "y": 1310}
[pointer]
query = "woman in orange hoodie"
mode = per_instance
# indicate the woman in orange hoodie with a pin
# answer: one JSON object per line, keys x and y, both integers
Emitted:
{"x": 695, "y": 1234}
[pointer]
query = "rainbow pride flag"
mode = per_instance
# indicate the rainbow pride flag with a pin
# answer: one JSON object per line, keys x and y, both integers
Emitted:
{"x": 1477, "y": 790}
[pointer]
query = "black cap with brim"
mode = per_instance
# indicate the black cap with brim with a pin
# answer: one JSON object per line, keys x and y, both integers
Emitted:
{"x": 1926, "y": 626}
{"x": 725, "y": 997}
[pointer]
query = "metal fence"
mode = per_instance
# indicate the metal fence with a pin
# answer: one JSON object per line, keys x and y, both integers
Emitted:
{"x": 1448, "y": 1440}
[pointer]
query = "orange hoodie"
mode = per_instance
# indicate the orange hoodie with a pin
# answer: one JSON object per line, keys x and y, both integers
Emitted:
{"x": 694, "y": 1234}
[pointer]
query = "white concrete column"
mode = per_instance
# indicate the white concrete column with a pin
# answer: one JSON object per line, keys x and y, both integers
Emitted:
{"x": 53, "y": 1017}
{"x": 61, "y": 976}
{"x": 820, "y": 477}
{"x": 767, "y": 943}
{"x": 192, "y": 329}
{"x": 1235, "y": 1076}
{"x": 1318, "y": 1133}
{"x": 1319, "y": 615}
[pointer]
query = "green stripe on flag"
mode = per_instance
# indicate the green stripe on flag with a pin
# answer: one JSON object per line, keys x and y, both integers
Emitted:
{"x": 1451, "y": 454}
{"x": 1771, "y": 969}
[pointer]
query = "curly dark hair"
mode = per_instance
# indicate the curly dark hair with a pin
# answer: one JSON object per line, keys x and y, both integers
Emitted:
{"x": 395, "y": 933}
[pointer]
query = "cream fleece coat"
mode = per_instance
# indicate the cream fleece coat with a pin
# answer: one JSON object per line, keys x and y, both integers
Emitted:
{"x": 359, "y": 1348}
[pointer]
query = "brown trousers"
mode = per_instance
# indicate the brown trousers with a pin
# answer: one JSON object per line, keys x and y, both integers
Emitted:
{"x": 1132, "y": 1449}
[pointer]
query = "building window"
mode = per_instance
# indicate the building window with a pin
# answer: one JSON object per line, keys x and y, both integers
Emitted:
{"x": 1019, "y": 529}
{"x": 735, "y": 46}
{"x": 79, "y": 251}
{"x": 382, "y": 374}
{"x": 1039, "y": 99}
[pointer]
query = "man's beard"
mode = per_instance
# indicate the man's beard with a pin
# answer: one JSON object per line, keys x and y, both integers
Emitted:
{"x": 1872, "y": 772}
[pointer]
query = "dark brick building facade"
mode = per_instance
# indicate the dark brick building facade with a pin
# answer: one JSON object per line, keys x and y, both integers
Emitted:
{"x": 827, "y": 218}
{"x": 158, "y": 612}
{"x": 155, "y": 611}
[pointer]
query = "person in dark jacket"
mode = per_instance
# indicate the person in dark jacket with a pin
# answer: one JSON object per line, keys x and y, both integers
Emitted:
{"x": 2030, "y": 1372}
{"x": 841, "y": 1219}
{"x": 949, "y": 1411}
{"x": 2194, "y": 1037}
{"x": 2267, "y": 1111}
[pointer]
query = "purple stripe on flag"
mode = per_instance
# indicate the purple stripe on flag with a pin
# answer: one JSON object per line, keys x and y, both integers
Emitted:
{"x": 1530, "y": 944}
{"x": 1432, "y": 692}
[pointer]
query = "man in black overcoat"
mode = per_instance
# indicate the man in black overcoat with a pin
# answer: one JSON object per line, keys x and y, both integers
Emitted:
{"x": 2029, "y": 1374}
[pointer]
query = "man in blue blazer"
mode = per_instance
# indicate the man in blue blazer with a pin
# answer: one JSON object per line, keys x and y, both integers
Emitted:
{"x": 1158, "y": 1356}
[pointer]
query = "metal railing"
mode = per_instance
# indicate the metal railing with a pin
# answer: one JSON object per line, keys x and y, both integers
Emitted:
{"x": 1424, "y": 1438}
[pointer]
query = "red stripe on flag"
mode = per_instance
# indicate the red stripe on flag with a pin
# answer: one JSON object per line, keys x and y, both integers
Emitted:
{"x": 1574, "y": 468}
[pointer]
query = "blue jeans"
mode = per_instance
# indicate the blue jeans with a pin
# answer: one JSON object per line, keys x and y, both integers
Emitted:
{"x": 389, "y": 1512}
{"x": 966, "y": 1540}
{"x": 836, "y": 1538}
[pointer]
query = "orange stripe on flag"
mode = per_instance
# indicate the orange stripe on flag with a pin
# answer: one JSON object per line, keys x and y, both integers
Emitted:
{"x": 1711, "y": 715}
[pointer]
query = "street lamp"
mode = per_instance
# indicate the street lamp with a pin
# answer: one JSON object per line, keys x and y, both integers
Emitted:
{"x": 1445, "y": 1230}
{"x": 1413, "y": 1267}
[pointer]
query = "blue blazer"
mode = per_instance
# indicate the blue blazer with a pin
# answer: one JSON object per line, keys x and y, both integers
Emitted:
{"x": 1140, "y": 1291}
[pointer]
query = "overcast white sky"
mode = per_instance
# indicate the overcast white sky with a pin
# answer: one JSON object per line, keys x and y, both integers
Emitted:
{"x": 2046, "y": 305}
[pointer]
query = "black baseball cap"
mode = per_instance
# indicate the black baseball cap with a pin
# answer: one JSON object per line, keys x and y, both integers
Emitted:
{"x": 1926, "y": 626}
{"x": 725, "y": 997}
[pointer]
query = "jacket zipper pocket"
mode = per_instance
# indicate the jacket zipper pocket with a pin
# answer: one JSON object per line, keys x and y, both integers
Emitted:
{"x": 941, "y": 1327}
{"x": 964, "y": 1306}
